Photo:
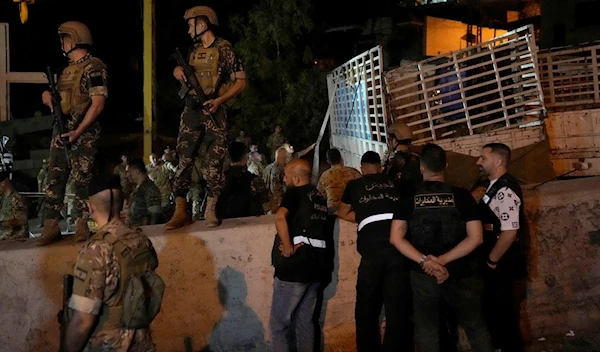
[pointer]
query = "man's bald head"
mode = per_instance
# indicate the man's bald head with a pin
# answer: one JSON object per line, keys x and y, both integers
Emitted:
{"x": 297, "y": 173}
{"x": 280, "y": 155}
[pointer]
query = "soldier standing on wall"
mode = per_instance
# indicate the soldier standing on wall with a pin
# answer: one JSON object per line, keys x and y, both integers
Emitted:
{"x": 83, "y": 91}
{"x": 221, "y": 75}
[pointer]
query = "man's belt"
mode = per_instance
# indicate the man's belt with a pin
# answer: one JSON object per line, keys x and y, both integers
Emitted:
{"x": 311, "y": 241}
{"x": 375, "y": 218}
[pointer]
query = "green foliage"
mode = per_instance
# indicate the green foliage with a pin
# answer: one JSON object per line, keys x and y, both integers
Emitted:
{"x": 283, "y": 86}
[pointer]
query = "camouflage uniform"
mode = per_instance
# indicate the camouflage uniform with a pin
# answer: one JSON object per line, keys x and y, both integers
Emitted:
{"x": 13, "y": 206}
{"x": 160, "y": 175}
{"x": 273, "y": 177}
{"x": 78, "y": 82}
{"x": 70, "y": 201}
{"x": 195, "y": 127}
{"x": 96, "y": 283}
{"x": 275, "y": 141}
{"x": 256, "y": 168}
{"x": 145, "y": 204}
{"x": 333, "y": 181}
{"x": 42, "y": 178}
{"x": 196, "y": 194}
{"x": 126, "y": 184}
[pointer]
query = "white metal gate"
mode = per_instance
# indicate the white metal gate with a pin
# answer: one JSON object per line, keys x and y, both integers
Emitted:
{"x": 358, "y": 109}
{"x": 487, "y": 87}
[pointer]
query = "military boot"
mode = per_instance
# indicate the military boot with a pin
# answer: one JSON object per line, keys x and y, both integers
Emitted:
{"x": 82, "y": 231}
{"x": 50, "y": 234}
{"x": 181, "y": 217}
{"x": 210, "y": 218}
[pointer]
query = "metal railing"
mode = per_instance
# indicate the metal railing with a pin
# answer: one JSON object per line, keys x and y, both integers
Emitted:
{"x": 569, "y": 75}
{"x": 489, "y": 86}
{"x": 358, "y": 109}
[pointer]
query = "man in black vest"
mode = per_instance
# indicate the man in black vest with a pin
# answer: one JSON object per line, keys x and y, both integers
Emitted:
{"x": 502, "y": 261}
{"x": 445, "y": 229}
{"x": 300, "y": 258}
{"x": 382, "y": 276}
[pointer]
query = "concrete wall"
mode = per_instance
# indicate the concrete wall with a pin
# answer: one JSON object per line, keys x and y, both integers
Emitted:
{"x": 219, "y": 281}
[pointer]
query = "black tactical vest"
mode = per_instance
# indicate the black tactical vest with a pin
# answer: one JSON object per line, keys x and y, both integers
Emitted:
{"x": 405, "y": 167}
{"x": 436, "y": 225}
{"x": 309, "y": 223}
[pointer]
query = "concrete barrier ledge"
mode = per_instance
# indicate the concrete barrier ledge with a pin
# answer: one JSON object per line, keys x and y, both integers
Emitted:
{"x": 219, "y": 281}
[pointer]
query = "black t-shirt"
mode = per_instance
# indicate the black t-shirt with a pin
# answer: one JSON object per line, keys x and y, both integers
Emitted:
{"x": 468, "y": 210}
{"x": 372, "y": 194}
{"x": 307, "y": 217}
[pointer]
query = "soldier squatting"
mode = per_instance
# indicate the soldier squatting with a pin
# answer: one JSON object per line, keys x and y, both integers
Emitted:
{"x": 443, "y": 259}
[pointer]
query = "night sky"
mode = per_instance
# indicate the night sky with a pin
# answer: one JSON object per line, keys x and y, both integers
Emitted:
{"x": 116, "y": 26}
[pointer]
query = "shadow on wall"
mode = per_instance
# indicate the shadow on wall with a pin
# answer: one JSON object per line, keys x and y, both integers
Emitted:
{"x": 239, "y": 329}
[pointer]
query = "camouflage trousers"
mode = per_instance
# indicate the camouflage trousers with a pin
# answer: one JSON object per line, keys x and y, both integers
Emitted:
{"x": 196, "y": 128}
{"x": 82, "y": 155}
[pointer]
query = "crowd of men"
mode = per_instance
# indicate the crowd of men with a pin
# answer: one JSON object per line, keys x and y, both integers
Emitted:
{"x": 431, "y": 254}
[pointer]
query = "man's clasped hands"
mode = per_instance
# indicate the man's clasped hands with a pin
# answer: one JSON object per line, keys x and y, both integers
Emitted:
{"x": 433, "y": 266}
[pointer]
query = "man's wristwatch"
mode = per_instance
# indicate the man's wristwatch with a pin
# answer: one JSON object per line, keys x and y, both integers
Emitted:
{"x": 422, "y": 261}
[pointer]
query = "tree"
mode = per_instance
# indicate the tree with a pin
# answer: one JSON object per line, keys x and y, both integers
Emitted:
{"x": 283, "y": 85}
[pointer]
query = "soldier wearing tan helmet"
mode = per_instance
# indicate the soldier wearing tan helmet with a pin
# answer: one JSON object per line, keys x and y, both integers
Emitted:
{"x": 221, "y": 75}
{"x": 82, "y": 86}
{"x": 401, "y": 163}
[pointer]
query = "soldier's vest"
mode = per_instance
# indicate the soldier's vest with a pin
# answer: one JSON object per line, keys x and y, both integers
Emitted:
{"x": 139, "y": 291}
{"x": 72, "y": 100}
{"x": 436, "y": 225}
{"x": 205, "y": 62}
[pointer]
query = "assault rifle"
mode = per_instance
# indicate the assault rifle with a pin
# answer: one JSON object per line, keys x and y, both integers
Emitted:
{"x": 63, "y": 316}
{"x": 191, "y": 83}
{"x": 57, "y": 113}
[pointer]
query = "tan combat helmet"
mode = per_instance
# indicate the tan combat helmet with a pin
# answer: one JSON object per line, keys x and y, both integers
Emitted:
{"x": 202, "y": 11}
{"x": 400, "y": 130}
{"x": 80, "y": 34}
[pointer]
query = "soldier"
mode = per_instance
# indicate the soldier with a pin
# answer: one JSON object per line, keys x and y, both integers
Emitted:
{"x": 242, "y": 137}
{"x": 255, "y": 164}
{"x": 295, "y": 155}
{"x": 273, "y": 177}
{"x": 221, "y": 76}
{"x": 83, "y": 90}
{"x": 145, "y": 206}
{"x": 42, "y": 176}
{"x": 13, "y": 211}
{"x": 104, "y": 277}
{"x": 275, "y": 141}
{"x": 401, "y": 163}
{"x": 121, "y": 170}
{"x": 160, "y": 175}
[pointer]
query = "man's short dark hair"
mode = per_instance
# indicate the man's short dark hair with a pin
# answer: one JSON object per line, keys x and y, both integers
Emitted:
{"x": 4, "y": 175}
{"x": 137, "y": 164}
{"x": 500, "y": 149}
{"x": 334, "y": 156}
{"x": 237, "y": 150}
{"x": 433, "y": 158}
{"x": 371, "y": 158}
